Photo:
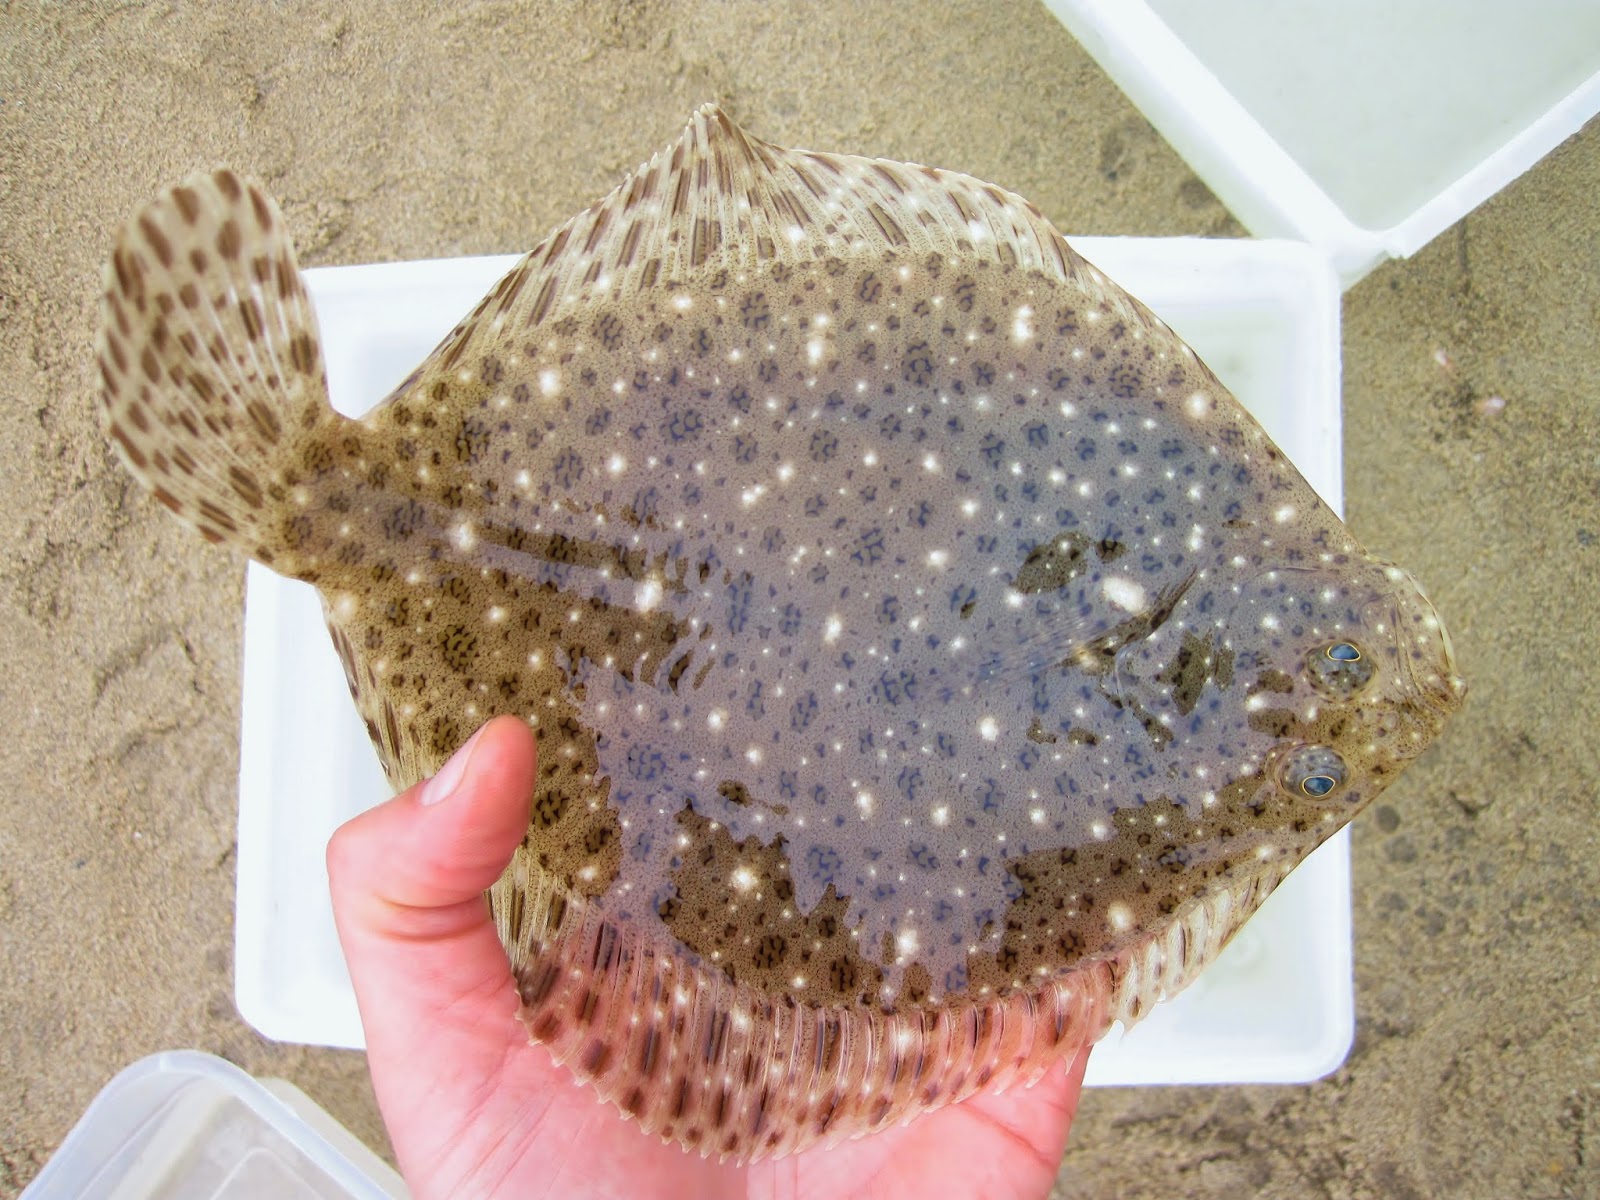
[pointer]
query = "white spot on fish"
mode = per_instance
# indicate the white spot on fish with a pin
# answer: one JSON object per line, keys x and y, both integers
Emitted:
{"x": 647, "y": 595}
{"x": 1124, "y": 593}
{"x": 549, "y": 382}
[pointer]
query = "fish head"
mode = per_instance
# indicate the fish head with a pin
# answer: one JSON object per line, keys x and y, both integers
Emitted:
{"x": 1347, "y": 674}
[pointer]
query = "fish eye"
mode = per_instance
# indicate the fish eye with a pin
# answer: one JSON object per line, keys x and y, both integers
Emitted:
{"x": 1339, "y": 670}
{"x": 1314, "y": 771}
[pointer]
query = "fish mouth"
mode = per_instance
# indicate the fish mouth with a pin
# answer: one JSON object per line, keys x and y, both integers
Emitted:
{"x": 1431, "y": 663}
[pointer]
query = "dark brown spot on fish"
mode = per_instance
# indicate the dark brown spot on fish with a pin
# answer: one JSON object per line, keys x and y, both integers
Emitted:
{"x": 135, "y": 455}
{"x": 188, "y": 204}
{"x": 1052, "y": 565}
{"x": 245, "y": 484}
{"x": 595, "y": 1057}
{"x": 262, "y": 209}
{"x": 733, "y": 792}
{"x": 229, "y": 242}
{"x": 250, "y": 314}
{"x": 264, "y": 420}
{"x": 158, "y": 240}
{"x": 1272, "y": 680}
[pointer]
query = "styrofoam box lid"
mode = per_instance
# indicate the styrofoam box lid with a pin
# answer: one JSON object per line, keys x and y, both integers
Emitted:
{"x": 1365, "y": 127}
{"x": 183, "y": 1125}
{"x": 1276, "y": 1007}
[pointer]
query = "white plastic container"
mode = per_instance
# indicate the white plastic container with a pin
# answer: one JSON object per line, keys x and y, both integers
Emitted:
{"x": 1277, "y": 1007}
{"x": 1365, "y": 127}
{"x": 183, "y": 1125}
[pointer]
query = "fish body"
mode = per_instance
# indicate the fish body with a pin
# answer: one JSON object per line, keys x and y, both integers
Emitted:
{"x": 932, "y": 662}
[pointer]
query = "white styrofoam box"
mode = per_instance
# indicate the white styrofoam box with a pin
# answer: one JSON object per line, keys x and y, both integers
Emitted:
{"x": 1365, "y": 127}
{"x": 1277, "y": 1006}
{"x": 182, "y": 1125}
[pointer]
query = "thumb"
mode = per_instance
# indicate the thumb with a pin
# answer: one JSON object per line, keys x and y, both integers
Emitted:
{"x": 407, "y": 881}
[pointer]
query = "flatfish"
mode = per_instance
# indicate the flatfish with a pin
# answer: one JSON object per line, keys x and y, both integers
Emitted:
{"x": 932, "y": 663}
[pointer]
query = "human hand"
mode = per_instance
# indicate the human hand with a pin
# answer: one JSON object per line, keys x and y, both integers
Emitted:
{"x": 475, "y": 1109}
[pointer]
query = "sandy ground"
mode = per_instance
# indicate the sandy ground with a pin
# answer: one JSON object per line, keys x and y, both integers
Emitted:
{"x": 1475, "y": 1072}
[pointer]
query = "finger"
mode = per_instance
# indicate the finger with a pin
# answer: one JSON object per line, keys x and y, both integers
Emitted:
{"x": 407, "y": 881}
{"x": 395, "y": 863}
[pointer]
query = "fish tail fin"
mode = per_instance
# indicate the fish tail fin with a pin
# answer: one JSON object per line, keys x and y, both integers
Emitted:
{"x": 211, "y": 369}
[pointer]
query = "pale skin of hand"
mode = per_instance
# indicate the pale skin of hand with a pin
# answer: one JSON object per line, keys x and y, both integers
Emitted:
{"x": 474, "y": 1109}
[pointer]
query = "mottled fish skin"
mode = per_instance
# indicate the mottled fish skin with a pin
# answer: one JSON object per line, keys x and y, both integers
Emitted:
{"x": 932, "y": 662}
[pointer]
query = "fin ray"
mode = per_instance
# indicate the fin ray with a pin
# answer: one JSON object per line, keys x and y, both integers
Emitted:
{"x": 725, "y": 1070}
{"x": 718, "y": 198}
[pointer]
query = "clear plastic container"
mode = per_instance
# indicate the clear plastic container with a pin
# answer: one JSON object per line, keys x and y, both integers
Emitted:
{"x": 183, "y": 1125}
{"x": 1276, "y": 1007}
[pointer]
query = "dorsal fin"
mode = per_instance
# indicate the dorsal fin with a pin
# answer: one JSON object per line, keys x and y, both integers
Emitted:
{"x": 720, "y": 199}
